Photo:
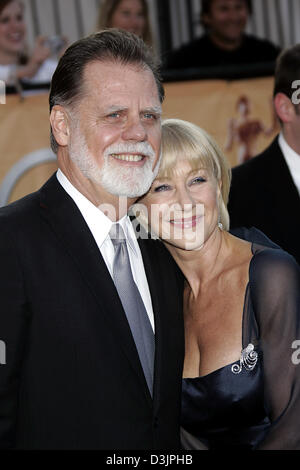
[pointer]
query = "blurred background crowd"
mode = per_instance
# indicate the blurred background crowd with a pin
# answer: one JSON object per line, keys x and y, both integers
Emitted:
{"x": 184, "y": 33}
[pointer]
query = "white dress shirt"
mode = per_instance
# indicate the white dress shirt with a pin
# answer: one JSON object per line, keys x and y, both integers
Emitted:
{"x": 100, "y": 226}
{"x": 292, "y": 159}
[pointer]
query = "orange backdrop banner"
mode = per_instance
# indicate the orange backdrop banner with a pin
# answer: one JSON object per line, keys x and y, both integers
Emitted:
{"x": 238, "y": 114}
{"x": 24, "y": 129}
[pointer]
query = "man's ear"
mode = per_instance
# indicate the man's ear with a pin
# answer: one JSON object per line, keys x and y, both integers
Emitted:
{"x": 60, "y": 124}
{"x": 284, "y": 107}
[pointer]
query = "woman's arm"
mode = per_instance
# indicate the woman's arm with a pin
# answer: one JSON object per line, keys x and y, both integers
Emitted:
{"x": 275, "y": 294}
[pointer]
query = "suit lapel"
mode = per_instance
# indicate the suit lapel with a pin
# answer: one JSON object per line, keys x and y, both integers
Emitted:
{"x": 70, "y": 228}
{"x": 165, "y": 315}
{"x": 157, "y": 305}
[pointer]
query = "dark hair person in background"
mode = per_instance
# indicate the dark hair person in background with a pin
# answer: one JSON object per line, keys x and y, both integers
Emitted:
{"x": 265, "y": 191}
{"x": 94, "y": 343}
{"x": 241, "y": 386}
{"x": 15, "y": 63}
{"x": 225, "y": 41}
{"x": 130, "y": 15}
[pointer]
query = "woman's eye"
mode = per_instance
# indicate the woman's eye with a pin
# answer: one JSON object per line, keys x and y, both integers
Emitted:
{"x": 162, "y": 187}
{"x": 198, "y": 180}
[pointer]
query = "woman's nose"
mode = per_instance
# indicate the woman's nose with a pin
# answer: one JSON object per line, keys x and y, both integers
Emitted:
{"x": 184, "y": 198}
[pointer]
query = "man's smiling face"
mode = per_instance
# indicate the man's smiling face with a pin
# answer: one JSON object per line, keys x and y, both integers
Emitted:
{"x": 115, "y": 132}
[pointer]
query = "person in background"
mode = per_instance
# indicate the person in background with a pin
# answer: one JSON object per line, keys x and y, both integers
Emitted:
{"x": 265, "y": 191}
{"x": 225, "y": 41}
{"x": 241, "y": 385}
{"x": 130, "y": 15}
{"x": 15, "y": 63}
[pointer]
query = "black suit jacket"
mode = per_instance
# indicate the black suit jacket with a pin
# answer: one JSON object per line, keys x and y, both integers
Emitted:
{"x": 72, "y": 378}
{"x": 264, "y": 195}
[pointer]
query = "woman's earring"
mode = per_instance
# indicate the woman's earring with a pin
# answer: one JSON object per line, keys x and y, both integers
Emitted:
{"x": 220, "y": 225}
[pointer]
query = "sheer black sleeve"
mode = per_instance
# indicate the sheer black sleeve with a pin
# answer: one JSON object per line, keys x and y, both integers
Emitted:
{"x": 275, "y": 297}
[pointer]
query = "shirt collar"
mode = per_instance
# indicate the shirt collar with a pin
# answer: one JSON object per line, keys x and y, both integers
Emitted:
{"x": 289, "y": 154}
{"x": 129, "y": 233}
{"x": 97, "y": 221}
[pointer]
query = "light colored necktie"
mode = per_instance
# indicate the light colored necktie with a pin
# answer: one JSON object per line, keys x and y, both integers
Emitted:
{"x": 133, "y": 305}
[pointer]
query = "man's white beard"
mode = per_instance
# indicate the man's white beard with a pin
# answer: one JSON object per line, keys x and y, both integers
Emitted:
{"x": 131, "y": 182}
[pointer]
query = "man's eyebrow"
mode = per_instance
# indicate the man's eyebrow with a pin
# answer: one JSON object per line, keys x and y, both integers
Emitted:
{"x": 113, "y": 108}
{"x": 154, "y": 109}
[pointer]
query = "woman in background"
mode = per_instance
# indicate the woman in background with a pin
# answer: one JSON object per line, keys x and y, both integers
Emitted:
{"x": 241, "y": 385}
{"x": 131, "y": 15}
{"x": 15, "y": 64}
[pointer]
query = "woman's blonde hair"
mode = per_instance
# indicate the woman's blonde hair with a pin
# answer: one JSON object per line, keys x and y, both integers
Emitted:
{"x": 107, "y": 9}
{"x": 182, "y": 138}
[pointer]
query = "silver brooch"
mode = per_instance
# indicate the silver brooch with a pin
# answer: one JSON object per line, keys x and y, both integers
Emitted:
{"x": 248, "y": 359}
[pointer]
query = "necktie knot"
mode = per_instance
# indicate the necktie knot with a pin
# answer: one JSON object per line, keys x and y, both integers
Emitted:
{"x": 117, "y": 235}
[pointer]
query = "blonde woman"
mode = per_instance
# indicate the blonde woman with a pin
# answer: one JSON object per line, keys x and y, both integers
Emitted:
{"x": 241, "y": 381}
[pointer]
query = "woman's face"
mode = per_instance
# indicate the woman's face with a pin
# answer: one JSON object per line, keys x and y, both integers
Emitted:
{"x": 12, "y": 29}
{"x": 183, "y": 209}
{"x": 129, "y": 15}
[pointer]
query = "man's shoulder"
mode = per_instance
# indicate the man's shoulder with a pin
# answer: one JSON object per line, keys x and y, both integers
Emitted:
{"x": 25, "y": 211}
{"x": 187, "y": 55}
{"x": 20, "y": 220}
{"x": 263, "y": 45}
{"x": 30, "y": 204}
{"x": 21, "y": 208}
{"x": 194, "y": 44}
{"x": 257, "y": 163}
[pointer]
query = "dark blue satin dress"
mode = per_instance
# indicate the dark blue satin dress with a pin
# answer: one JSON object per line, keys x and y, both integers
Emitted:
{"x": 226, "y": 410}
{"x": 258, "y": 406}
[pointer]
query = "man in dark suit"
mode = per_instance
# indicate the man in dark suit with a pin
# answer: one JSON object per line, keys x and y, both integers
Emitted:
{"x": 76, "y": 375}
{"x": 265, "y": 190}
